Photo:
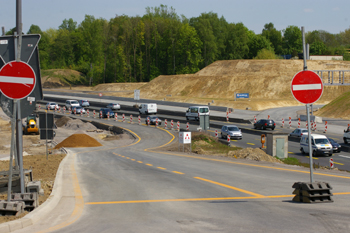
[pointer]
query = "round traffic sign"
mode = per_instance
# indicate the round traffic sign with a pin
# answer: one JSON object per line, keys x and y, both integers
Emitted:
{"x": 306, "y": 87}
{"x": 100, "y": 94}
{"x": 17, "y": 80}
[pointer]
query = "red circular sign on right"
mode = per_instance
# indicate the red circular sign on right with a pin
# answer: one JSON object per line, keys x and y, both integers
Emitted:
{"x": 307, "y": 87}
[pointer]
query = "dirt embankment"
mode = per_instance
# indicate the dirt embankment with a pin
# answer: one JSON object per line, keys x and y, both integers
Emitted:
{"x": 266, "y": 81}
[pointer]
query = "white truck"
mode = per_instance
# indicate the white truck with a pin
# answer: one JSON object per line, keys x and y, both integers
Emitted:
{"x": 148, "y": 108}
{"x": 346, "y": 135}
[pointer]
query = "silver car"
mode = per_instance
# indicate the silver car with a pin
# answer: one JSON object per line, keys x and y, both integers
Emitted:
{"x": 298, "y": 132}
{"x": 78, "y": 110}
{"x": 114, "y": 106}
{"x": 232, "y": 130}
{"x": 51, "y": 105}
{"x": 84, "y": 103}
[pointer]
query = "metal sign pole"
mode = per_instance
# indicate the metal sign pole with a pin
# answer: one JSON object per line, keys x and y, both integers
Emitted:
{"x": 309, "y": 139}
{"x": 13, "y": 125}
{"x": 308, "y": 112}
{"x": 20, "y": 145}
{"x": 47, "y": 154}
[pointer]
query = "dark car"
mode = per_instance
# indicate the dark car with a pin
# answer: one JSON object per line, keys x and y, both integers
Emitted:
{"x": 335, "y": 145}
{"x": 265, "y": 124}
{"x": 153, "y": 120}
{"x": 105, "y": 112}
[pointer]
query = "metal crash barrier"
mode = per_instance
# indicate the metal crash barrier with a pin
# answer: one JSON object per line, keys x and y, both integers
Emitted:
{"x": 316, "y": 192}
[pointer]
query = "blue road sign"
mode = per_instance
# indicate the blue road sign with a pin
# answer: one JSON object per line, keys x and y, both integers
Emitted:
{"x": 242, "y": 95}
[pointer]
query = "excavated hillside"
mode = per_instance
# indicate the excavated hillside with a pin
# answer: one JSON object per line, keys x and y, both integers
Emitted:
{"x": 266, "y": 81}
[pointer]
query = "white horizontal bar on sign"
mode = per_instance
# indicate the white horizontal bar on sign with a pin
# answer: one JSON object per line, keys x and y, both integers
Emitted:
{"x": 9, "y": 79}
{"x": 304, "y": 87}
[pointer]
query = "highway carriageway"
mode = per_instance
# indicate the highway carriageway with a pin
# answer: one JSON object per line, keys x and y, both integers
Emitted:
{"x": 215, "y": 121}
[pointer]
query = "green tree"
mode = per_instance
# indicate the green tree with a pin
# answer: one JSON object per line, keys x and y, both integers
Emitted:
{"x": 292, "y": 40}
{"x": 236, "y": 42}
{"x": 68, "y": 24}
{"x": 257, "y": 43}
{"x": 274, "y": 36}
{"x": 318, "y": 48}
{"x": 266, "y": 54}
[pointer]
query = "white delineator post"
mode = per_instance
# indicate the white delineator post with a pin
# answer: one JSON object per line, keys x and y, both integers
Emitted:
{"x": 282, "y": 122}
{"x": 107, "y": 115}
{"x": 123, "y": 117}
{"x": 298, "y": 123}
{"x": 130, "y": 119}
{"x": 116, "y": 116}
{"x": 139, "y": 120}
{"x": 165, "y": 123}
{"x": 216, "y": 133}
{"x": 325, "y": 127}
{"x": 188, "y": 126}
{"x": 290, "y": 122}
{"x": 172, "y": 124}
{"x": 228, "y": 138}
{"x": 88, "y": 113}
{"x": 178, "y": 125}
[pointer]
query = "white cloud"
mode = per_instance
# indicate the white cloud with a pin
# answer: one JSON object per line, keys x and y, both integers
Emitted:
{"x": 308, "y": 10}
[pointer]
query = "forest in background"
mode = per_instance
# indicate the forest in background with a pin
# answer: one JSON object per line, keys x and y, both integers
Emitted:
{"x": 161, "y": 42}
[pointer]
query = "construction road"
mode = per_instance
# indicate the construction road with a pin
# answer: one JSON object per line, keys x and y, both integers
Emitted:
{"x": 139, "y": 188}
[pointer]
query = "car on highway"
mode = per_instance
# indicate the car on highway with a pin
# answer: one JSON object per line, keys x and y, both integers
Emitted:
{"x": 319, "y": 143}
{"x": 114, "y": 106}
{"x": 78, "y": 110}
{"x": 71, "y": 104}
{"x": 51, "y": 105}
{"x": 265, "y": 124}
{"x": 105, "y": 112}
{"x": 153, "y": 120}
{"x": 336, "y": 146}
{"x": 298, "y": 132}
{"x": 84, "y": 103}
{"x": 232, "y": 130}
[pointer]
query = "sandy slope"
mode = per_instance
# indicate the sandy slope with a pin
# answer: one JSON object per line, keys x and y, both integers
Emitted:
{"x": 266, "y": 81}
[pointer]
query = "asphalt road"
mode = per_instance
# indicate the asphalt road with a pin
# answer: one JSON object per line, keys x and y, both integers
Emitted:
{"x": 251, "y": 137}
{"x": 137, "y": 189}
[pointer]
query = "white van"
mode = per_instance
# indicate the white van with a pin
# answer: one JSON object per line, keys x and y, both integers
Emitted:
{"x": 148, "y": 108}
{"x": 194, "y": 112}
{"x": 320, "y": 144}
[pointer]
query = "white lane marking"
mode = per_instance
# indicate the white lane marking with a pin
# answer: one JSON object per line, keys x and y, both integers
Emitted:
{"x": 303, "y": 87}
{"x": 9, "y": 79}
{"x": 344, "y": 156}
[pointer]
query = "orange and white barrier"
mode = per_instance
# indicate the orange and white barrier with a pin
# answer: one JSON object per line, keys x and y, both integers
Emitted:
{"x": 216, "y": 133}
{"x": 325, "y": 127}
{"x": 131, "y": 119}
{"x": 116, "y": 116}
{"x": 282, "y": 122}
{"x": 254, "y": 119}
{"x": 178, "y": 125}
{"x": 188, "y": 126}
{"x": 123, "y": 117}
{"x": 165, "y": 123}
{"x": 87, "y": 113}
{"x": 172, "y": 124}
{"x": 139, "y": 120}
{"x": 298, "y": 123}
{"x": 228, "y": 138}
{"x": 290, "y": 122}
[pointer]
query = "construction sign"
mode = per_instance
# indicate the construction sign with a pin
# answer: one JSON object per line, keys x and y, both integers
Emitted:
{"x": 185, "y": 137}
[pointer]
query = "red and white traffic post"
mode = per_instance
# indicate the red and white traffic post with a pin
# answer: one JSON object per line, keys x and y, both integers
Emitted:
{"x": 227, "y": 118}
{"x": 130, "y": 119}
{"x": 290, "y": 122}
{"x": 268, "y": 116}
{"x": 100, "y": 114}
{"x": 139, "y": 119}
{"x": 312, "y": 125}
{"x": 325, "y": 127}
{"x": 64, "y": 110}
{"x": 157, "y": 122}
{"x": 188, "y": 126}
{"x": 148, "y": 121}
{"x": 282, "y": 122}
{"x": 59, "y": 109}
{"x": 75, "y": 111}
{"x": 81, "y": 112}
{"x": 87, "y": 113}
{"x": 107, "y": 115}
{"x": 178, "y": 125}
{"x": 254, "y": 119}
{"x": 116, "y": 116}
{"x": 123, "y": 117}
{"x": 307, "y": 88}
{"x": 70, "y": 110}
{"x": 48, "y": 108}
{"x": 165, "y": 123}
{"x": 39, "y": 107}
{"x": 331, "y": 163}
{"x": 228, "y": 138}
{"x": 172, "y": 124}
{"x": 216, "y": 133}
{"x": 298, "y": 123}
{"x": 94, "y": 113}
{"x": 55, "y": 108}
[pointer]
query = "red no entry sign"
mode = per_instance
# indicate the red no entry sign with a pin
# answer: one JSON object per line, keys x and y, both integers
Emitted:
{"x": 17, "y": 80}
{"x": 307, "y": 87}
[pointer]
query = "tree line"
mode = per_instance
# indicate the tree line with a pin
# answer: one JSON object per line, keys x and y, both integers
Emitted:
{"x": 138, "y": 49}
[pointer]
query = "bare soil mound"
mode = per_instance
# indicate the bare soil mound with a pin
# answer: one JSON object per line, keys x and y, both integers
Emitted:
{"x": 78, "y": 140}
{"x": 74, "y": 124}
{"x": 253, "y": 154}
{"x": 56, "y": 78}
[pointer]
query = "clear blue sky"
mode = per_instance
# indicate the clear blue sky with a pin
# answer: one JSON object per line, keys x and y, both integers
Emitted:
{"x": 332, "y": 16}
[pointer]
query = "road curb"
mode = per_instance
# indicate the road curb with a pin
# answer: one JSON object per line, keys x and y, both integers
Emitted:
{"x": 44, "y": 209}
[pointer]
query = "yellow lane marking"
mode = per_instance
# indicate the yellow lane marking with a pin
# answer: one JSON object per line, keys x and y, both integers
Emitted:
{"x": 290, "y": 152}
{"x": 79, "y": 203}
{"x": 148, "y": 164}
{"x": 139, "y": 161}
{"x": 312, "y": 157}
{"x": 250, "y": 143}
{"x": 173, "y": 137}
{"x": 230, "y": 187}
{"x": 250, "y": 165}
{"x": 194, "y": 199}
{"x": 162, "y": 168}
{"x": 178, "y": 172}
{"x": 132, "y": 159}
{"x": 338, "y": 163}
{"x": 127, "y": 158}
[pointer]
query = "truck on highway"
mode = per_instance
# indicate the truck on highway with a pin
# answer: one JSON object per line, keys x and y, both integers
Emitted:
{"x": 346, "y": 135}
{"x": 148, "y": 108}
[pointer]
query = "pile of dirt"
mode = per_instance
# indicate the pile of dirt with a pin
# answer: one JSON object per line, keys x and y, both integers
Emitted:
{"x": 78, "y": 140}
{"x": 74, "y": 124}
{"x": 253, "y": 154}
